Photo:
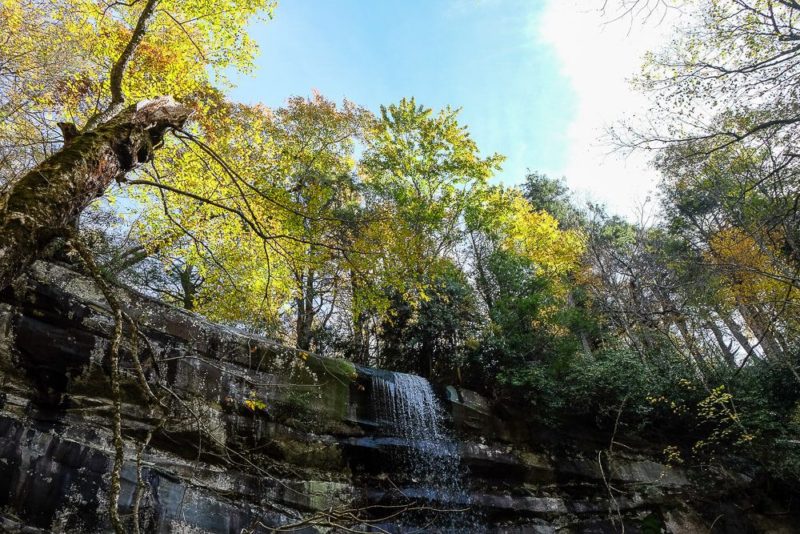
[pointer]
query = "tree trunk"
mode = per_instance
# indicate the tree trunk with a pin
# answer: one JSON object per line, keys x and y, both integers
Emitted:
{"x": 306, "y": 312}
{"x": 725, "y": 347}
{"x": 761, "y": 330}
{"x": 737, "y": 333}
{"x": 41, "y": 204}
{"x": 483, "y": 280}
{"x": 587, "y": 347}
{"x": 188, "y": 287}
{"x": 360, "y": 343}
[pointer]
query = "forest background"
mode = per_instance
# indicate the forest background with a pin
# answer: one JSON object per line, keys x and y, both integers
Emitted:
{"x": 380, "y": 237}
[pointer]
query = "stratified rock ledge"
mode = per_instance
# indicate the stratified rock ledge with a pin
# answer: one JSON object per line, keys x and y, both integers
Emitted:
{"x": 307, "y": 440}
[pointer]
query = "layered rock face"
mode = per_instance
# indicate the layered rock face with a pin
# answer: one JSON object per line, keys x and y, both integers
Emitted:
{"x": 261, "y": 438}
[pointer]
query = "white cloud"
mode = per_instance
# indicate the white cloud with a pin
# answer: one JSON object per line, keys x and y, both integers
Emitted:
{"x": 598, "y": 56}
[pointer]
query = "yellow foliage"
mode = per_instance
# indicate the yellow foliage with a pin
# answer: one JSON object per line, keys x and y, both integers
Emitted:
{"x": 752, "y": 275}
{"x": 536, "y": 236}
{"x": 57, "y": 55}
{"x": 258, "y": 224}
{"x": 254, "y": 404}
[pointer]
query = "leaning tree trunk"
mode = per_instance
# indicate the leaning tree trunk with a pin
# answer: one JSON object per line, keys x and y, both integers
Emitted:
{"x": 43, "y": 203}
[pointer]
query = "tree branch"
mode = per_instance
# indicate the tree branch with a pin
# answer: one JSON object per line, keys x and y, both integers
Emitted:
{"x": 118, "y": 70}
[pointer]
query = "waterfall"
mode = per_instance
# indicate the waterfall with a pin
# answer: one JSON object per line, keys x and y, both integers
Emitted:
{"x": 406, "y": 407}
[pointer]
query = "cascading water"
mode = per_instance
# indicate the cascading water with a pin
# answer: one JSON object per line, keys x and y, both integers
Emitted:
{"x": 427, "y": 457}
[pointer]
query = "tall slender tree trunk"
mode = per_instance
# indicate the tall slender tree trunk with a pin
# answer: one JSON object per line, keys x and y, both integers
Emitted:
{"x": 761, "y": 330}
{"x": 42, "y": 204}
{"x": 679, "y": 319}
{"x": 724, "y": 346}
{"x": 305, "y": 312}
{"x": 587, "y": 347}
{"x": 360, "y": 350}
{"x": 483, "y": 279}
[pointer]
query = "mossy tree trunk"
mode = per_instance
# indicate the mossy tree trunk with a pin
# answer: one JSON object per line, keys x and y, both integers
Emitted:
{"x": 44, "y": 202}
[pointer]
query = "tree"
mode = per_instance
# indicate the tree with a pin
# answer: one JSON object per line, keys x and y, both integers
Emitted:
{"x": 551, "y": 196}
{"x": 702, "y": 94}
{"x": 422, "y": 171}
{"x": 725, "y": 138}
{"x": 272, "y": 225}
{"x": 504, "y": 220}
{"x": 735, "y": 212}
{"x": 429, "y": 338}
{"x": 79, "y": 60}
{"x": 95, "y": 66}
{"x": 106, "y": 57}
{"x": 44, "y": 202}
{"x": 322, "y": 187}
{"x": 521, "y": 263}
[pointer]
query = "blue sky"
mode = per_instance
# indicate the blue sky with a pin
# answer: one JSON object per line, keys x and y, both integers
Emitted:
{"x": 483, "y": 56}
{"x": 538, "y": 81}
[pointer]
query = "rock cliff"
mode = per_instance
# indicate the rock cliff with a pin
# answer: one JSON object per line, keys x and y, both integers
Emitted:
{"x": 263, "y": 438}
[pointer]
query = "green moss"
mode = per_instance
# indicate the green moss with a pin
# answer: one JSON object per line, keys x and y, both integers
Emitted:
{"x": 336, "y": 369}
{"x": 335, "y": 376}
{"x": 299, "y": 403}
{"x": 332, "y": 378}
{"x": 651, "y": 524}
{"x": 317, "y": 455}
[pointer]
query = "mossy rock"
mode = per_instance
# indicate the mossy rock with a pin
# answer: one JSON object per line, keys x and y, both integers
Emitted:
{"x": 333, "y": 378}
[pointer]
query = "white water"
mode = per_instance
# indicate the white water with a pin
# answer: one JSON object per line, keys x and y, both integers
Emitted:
{"x": 407, "y": 407}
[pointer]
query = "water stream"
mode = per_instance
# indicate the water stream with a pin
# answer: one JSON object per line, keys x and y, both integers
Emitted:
{"x": 407, "y": 407}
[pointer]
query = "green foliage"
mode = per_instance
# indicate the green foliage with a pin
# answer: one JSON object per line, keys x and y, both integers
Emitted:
{"x": 767, "y": 400}
{"x": 597, "y": 388}
{"x": 421, "y": 173}
{"x": 552, "y": 196}
{"x": 651, "y": 524}
{"x": 526, "y": 327}
{"x": 429, "y": 337}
